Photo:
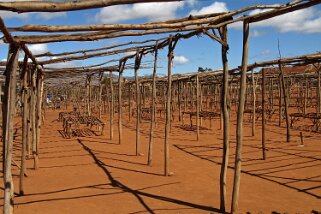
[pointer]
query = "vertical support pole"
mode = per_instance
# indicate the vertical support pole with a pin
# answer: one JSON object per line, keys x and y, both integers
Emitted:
{"x": 100, "y": 94}
{"x": 226, "y": 120}
{"x": 285, "y": 97}
{"x": 33, "y": 117}
{"x": 111, "y": 108}
{"x": 254, "y": 103}
{"x": 153, "y": 110}
{"x": 263, "y": 114}
{"x": 179, "y": 101}
{"x": 38, "y": 112}
{"x": 129, "y": 101}
{"x": 197, "y": 108}
{"x": 170, "y": 56}
{"x": 239, "y": 129}
{"x": 120, "y": 79}
{"x": 138, "y": 103}
{"x": 280, "y": 101}
{"x": 24, "y": 96}
{"x": 7, "y": 127}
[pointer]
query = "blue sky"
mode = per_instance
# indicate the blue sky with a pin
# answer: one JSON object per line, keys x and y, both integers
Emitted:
{"x": 299, "y": 33}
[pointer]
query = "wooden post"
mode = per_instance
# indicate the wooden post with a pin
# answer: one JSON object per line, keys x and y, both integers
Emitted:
{"x": 7, "y": 127}
{"x": 285, "y": 105}
{"x": 153, "y": 110}
{"x": 226, "y": 120}
{"x": 100, "y": 94}
{"x": 197, "y": 108}
{"x": 179, "y": 101}
{"x": 38, "y": 112}
{"x": 171, "y": 47}
{"x": 137, "y": 65}
{"x": 33, "y": 117}
{"x": 129, "y": 102}
{"x": 111, "y": 109}
{"x": 239, "y": 129}
{"x": 120, "y": 77}
{"x": 306, "y": 91}
{"x": 280, "y": 101}
{"x": 24, "y": 96}
{"x": 263, "y": 114}
{"x": 253, "y": 103}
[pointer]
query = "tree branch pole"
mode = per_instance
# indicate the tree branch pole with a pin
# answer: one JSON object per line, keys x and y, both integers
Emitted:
{"x": 170, "y": 56}
{"x": 111, "y": 109}
{"x": 253, "y": 103}
{"x": 7, "y": 128}
{"x": 226, "y": 120}
{"x": 285, "y": 97}
{"x": 153, "y": 110}
{"x": 120, "y": 79}
{"x": 239, "y": 129}
{"x": 138, "y": 60}
{"x": 263, "y": 114}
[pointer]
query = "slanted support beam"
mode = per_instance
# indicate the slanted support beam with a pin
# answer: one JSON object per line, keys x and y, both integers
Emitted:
{"x": 239, "y": 128}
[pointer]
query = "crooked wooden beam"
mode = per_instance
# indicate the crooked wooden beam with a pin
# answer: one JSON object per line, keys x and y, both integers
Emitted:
{"x": 58, "y": 6}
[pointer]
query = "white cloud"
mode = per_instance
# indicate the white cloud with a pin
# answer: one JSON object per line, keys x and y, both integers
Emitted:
{"x": 304, "y": 21}
{"x": 180, "y": 60}
{"x": 38, "y": 48}
{"x": 11, "y": 15}
{"x": 48, "y": 16}
{"x": 256, "y": 33}
{"x": 151, "y": 11}
{"x": 216, "y": 7}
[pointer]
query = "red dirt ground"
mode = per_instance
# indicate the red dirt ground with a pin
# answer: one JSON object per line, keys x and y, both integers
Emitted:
{"x": 96, "y": 175}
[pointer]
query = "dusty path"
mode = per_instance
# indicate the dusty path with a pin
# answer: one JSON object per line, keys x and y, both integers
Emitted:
{"x": 96, "y": 175}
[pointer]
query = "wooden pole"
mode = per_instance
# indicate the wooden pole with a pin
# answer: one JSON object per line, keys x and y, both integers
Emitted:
{"x": 137, "y": 65}
{"x": 129, "y": 101}
{"x": 280, "y": 101}
{"x": 170, "y": 56}
{"x": 285, "y": 105}
{"x": 253, "y": 103}
{"x": 153, "y": 111}
{"x": 111, "y": 109}
{"x": 33, "y": 118}
{"x": 120, "y": 78}
{"x": 239, "y": 129}
{"x": 263, "y": 114}
{"x": 100, "y": 94}
{"x": 24, "y": 96}
{"x": 38, "y": 112}
{"x": 7, "y": 128}
{"x": 226, "y": 120}
{"x": 197, "y": 108}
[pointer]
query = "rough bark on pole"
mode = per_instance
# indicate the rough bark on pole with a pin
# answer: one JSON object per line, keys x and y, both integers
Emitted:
{"x": 24, "y": 96}
{"x": 100, "y": 94}
{"x": 171, "y": 47}
{"x": 138, "y": 103}
{"x": 153, "y": 111}
{"x": 254, "y": 103}
{"x": 263, "y": 114}
{"x": 239, "y": 129}
{"x": 33, "y": 117}
{"x": 285, "y": 98}
{"x": 120, "y": 79}
{"x": 111, "y": 108}
{"x": 129, "y": 102}
{"x": 197, "y": 108}
{"x": 38, "y": 113}
{"x": 226, "y": 120}
{"x": 280, "y": 101}
{"x": 7, "y": 128}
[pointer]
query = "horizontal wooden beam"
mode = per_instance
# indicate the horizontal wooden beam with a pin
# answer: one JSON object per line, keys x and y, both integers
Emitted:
{"x": 58, "y": 6}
